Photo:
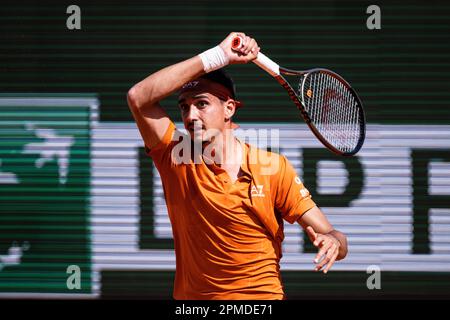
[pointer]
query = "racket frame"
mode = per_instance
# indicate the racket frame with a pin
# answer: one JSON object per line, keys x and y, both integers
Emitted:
{"x": 299, "y": 102}
{"x": 277, "y": 72}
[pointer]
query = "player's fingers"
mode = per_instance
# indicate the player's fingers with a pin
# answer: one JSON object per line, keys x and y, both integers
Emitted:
{"x": 243, "y": 46}
{"x": 247, "y": 40}
{"x": 242, "y": 51}
{"x": 311, "y": 233}
{"x": 250, "y": 45}
{"x": 239, "y": 34}
{"x": 322, "y": 251}
{"x": 321, "y": 264}
{"x": 332, "y": 261}
{"x": 329, "y": 254}
{"x": 254, "y": 47}
{"x": 253, "y": 50}
{"x": 319, "y": 239}
{"x": 253, "y": 54}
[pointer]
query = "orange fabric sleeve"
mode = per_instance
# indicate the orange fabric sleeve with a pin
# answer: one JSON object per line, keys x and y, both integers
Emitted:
{"x": 292, "y": 199}
{"x": 158, "y": 150}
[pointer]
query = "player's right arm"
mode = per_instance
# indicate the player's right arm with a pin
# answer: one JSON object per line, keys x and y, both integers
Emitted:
{"x": 144, "y": 97}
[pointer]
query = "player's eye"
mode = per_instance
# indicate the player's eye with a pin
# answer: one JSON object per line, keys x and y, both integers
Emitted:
{"x": 184, "y": 107}
{"x": 202, "y": 103}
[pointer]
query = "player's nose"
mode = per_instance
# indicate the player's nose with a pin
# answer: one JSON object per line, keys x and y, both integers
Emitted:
{"x": 192, "y": 114}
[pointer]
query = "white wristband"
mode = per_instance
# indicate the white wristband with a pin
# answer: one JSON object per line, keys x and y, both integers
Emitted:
{"x": 214, "y": 59}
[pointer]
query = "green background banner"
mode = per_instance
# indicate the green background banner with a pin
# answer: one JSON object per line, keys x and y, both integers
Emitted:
{"x": 45, "y": 153}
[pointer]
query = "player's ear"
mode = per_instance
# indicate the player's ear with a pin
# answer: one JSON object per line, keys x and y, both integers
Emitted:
{"x": 229, "y": 108}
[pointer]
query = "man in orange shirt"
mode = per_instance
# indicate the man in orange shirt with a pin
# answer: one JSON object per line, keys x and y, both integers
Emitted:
{"x": 226, "y": 199}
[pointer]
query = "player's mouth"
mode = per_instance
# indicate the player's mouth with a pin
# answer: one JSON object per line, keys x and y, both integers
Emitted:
{"x": 192, "y": 128}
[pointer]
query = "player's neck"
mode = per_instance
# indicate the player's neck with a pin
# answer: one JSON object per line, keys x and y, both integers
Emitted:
{"x": 225, "y": 150}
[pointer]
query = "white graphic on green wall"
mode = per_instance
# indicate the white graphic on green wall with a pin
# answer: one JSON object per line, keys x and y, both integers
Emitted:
{"x": 53, "y": 147}
{"x": 45, "y": 182}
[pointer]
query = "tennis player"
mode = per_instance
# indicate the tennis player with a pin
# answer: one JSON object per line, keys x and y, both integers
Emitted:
{"x": 227, "y": 202}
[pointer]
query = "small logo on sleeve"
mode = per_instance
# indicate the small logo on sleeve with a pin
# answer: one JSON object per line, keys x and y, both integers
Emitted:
{"x": 304, "y": 192}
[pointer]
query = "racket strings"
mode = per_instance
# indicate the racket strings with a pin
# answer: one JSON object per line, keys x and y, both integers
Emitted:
{"x": 333, "y": 110}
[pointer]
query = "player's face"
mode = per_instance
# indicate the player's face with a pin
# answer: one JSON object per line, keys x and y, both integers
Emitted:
{"x": 203, "y": 114}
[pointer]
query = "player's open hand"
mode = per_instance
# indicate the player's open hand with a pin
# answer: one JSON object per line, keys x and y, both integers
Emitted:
{"x": 246, "y": 53}
{"x": 328, "y": 249}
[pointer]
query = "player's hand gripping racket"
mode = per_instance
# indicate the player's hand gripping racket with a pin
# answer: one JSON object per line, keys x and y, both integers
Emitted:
{"x": 328, "y": 104}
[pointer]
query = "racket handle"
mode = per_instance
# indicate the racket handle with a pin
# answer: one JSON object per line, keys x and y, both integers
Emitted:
{"x": 261, "y": 60}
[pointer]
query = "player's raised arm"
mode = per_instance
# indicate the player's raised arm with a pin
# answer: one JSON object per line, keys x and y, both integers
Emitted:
{"x": 144, "y": 97}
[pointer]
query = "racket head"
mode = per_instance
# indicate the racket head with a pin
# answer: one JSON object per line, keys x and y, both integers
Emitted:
{"x": 332, "y": 110}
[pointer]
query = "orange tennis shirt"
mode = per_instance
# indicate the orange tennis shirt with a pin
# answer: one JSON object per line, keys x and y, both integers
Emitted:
{"x": 228, "y": 235}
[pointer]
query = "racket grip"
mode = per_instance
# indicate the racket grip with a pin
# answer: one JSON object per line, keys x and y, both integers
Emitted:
{"x": 261, "y": 60}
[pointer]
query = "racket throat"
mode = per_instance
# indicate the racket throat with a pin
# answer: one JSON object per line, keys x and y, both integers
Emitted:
{"x": 294, "y": 97}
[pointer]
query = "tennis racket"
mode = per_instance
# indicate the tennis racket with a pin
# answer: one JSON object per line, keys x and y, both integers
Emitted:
{"x": 327, "y": 103}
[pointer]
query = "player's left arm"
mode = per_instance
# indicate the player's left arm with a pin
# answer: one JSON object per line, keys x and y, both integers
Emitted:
{"x": 294, "y": 202}
{"x": 331, "y": 243}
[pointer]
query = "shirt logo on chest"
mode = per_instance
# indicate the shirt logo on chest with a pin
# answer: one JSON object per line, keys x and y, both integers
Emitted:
{"x": 257, "y": 191}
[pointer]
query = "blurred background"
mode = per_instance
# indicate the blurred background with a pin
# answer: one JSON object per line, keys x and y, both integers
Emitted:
{"x": 82, "y": 212}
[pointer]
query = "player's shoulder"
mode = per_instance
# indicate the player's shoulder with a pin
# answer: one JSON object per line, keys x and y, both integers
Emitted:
{"x": 265, "y": 153}
{"x": 267, "y": 161}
